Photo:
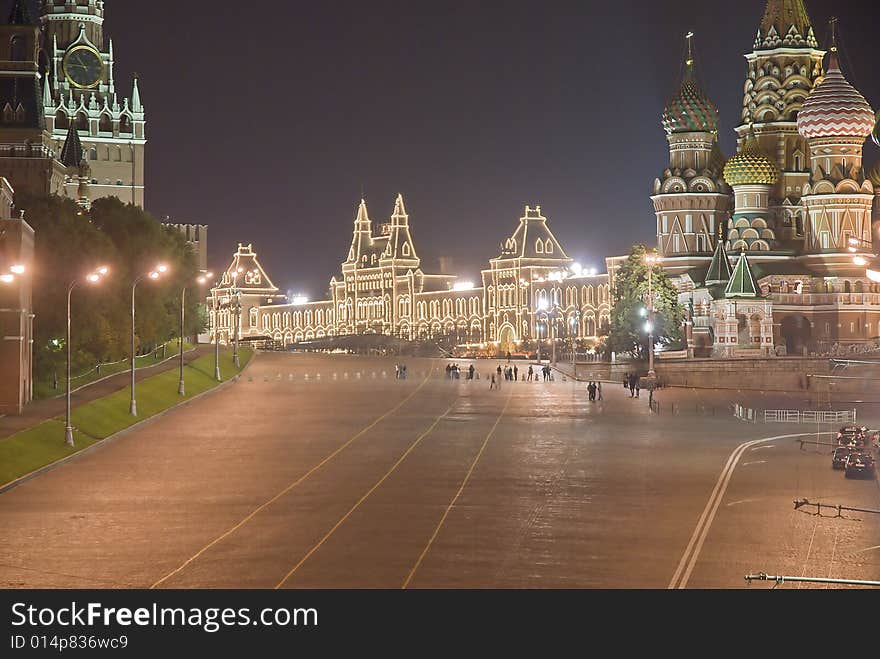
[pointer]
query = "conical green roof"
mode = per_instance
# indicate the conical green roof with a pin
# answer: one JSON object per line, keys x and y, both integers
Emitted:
{"x": 742, "y": 282}
{"x": 719, "y": 269}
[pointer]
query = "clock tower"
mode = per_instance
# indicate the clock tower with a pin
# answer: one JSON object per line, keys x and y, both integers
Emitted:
{"x": 79, "y": 88}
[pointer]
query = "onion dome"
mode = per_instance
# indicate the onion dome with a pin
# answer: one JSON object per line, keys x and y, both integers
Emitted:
{"x": 835, "y": 108}
{"x": 690, "y": 110}
{"x": 751, "y": 166}
{"x": 875, "y": 135}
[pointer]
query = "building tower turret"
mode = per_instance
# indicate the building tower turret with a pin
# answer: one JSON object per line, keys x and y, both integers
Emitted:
{"x": 752, "y": 174}
{"x": 836, "y": 120}
{"x": 691, "y": 200}
{"x": 783, "y": 67}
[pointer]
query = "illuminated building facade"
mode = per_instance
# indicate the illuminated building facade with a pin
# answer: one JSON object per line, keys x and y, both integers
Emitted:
{"x": 531, "y": 290}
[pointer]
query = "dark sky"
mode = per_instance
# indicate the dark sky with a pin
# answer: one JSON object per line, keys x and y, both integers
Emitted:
{"x": 265, "y": 119}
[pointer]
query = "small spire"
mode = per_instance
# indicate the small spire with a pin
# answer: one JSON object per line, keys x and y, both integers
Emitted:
{"x": 833, "y": 62}
{"x": 47, "y": 91}
{"x": 399, "y": 208}
{"x": 72, "y": 152}
{"x": 362, "y": 215}
{"x": 136, "y": 97}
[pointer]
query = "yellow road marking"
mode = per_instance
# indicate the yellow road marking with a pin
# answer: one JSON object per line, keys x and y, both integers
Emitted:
{"x": 294, "y": 484}
{"x": 457, "y": 494}
{"x": 364, "y": 498}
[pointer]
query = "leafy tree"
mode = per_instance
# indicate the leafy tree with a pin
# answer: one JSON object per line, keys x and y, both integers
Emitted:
{"x": 626, "y": 333}
{"x": 68, "y": 244}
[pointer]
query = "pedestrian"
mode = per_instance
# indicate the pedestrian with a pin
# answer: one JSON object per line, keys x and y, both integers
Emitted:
{"x": 508, "y": 356}
{"x": 626, "y": 380}
{"x": 591, "y": 391}
{"x": 599, "y": 390}
{"x": 516, "y": 374}
{"x": 403, "y": 372}
{"x": 638, "y": 386}
{"x": 471, "y": 372}
{"x": 499, "y": 375}
{"x": 448, "y": 371}
{"x": 531, "y": 372}
{"x": 492, "y": 384}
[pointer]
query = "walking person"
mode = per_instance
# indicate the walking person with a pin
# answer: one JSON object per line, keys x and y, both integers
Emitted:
{"x": 492, "y": 384}
{"x": 638, "y": 386}
{"x": 499, "y": 376}
{"x": 591, "y": 390}
{"x": 531, "y": 372}
{"x": 471, "y": 372}
{"x": 599, "y": 390}
{"x": 626, "y": 380}
{"x": 516, "y": 374}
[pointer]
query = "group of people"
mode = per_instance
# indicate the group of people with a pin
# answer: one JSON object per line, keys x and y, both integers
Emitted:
{"x": 631, "y": 382}
{"x": 594, "y": 389}
{"x": 453, "y": 372}
{"x": 400, "y": 371}
{"x": 511, "y": 373}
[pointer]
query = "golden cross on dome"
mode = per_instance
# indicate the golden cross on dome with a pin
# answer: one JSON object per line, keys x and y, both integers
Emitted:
{"x": 832, "y": 23}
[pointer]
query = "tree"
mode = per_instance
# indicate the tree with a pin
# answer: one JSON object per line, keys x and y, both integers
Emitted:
{"x": 68, "y": 243}
{"x": 626, "y": 333}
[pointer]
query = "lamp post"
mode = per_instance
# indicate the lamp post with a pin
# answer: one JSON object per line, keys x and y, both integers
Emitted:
{"x": 871, "y": 273}
{"x": 92, "y": 278}
{"x": 650, "y": 260}
{"x": 153, "y": 274}
{"x": 181, "y": 388}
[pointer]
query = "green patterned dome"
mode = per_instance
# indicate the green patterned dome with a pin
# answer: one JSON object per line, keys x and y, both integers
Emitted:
{"x": 751, "y": 166}
{"x": 690, "y": 110}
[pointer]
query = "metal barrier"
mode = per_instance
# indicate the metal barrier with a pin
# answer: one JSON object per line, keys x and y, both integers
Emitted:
{"x": 809, "y": 416}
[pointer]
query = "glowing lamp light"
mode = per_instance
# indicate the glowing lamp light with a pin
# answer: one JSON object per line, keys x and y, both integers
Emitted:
{"x": 209, "y": 275}
{"x": 873, "y": 275}
{"x": 851, "y": 249}
{"x": 93, "y": 278}
{"x": 853, "y": 241}
{"x": 577, "y": 268}
{"x": 643, "y": 312}
{"x": 154, "y": 275}
{"x": 463, "y": 286}
{"x": 592, "y": 272}
{"x": 649, "y": 327}
{"x": 103, "y": 270}
{"x": 7, "y": 279}
{"x": 860, "y": 260}
{"x": 202, "y": 280}
{"x": 300, "y": 299}
{"x": 542, "y": 305}
{"x": 17, "y": 269}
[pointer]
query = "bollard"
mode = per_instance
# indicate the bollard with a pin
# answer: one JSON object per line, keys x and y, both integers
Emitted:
{"x": 317, "y": 376}
{"x": 290, "y": 377}
{"x": 345, "y": 376}
{"x": 358, "y": 375}
{"x": 306, "y": 376}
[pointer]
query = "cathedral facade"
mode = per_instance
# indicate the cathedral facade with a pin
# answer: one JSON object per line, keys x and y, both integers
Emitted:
{"x": 58, "y": 76}
{"x": 794, "y": 205}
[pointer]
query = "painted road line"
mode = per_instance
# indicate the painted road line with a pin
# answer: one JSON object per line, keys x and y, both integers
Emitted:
{"x": 457, "y": 495}
{"x": 292, "y": 485}
{"x": 376, "y": 486}
{"x": 692, "y": 552}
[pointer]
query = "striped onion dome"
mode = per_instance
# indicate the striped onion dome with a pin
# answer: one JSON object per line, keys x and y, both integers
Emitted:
{"x": 690, "y": 110}
{"x": 835, "y": 108}
{"x": 876, "y": 134}
{"x": 751, "y": 166}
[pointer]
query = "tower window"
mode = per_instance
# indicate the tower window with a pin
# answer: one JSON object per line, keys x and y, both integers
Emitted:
{"x": 539, "y": 246}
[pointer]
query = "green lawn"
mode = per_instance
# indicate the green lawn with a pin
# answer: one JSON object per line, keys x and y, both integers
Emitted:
{"x": 44, "y": 388}
{"x": 44, "y": 444}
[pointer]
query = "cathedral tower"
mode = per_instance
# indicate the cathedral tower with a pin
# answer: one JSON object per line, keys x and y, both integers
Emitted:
{"x": 783, "y": 67}
{"x": 691, "y": 200}
{"x": 836, "y": 120}
{"x": 752, "y": 174}
{"x": 80, "y": 88}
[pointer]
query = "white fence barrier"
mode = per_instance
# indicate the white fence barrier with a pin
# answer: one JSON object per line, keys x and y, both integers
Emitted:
{"x": 809, "y": 416}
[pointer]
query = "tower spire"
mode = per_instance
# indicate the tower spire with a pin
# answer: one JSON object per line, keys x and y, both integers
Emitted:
{"x": 689, "y": 63}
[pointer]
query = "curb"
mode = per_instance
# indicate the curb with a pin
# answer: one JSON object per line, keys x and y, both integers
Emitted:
{"x": 118, "y": 435}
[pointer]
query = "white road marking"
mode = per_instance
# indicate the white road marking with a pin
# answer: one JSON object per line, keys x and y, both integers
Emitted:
{"x": 862, "y": 551}
{"x": 754, "y": 462}
{"x": 758, "y": 448}
{"x": 692, "y": 551}
{"x": 734, "y": 503}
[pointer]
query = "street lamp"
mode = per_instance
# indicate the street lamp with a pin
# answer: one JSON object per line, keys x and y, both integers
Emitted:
{"x": 181, "y": 389}
{"x": 153, "y": 274}
{"x": 92, "y": 278}
{"x": 650, "y": 260}
{"x": 854, "y": 244}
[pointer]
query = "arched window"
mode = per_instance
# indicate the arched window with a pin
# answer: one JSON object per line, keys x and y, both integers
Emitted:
{"x": 405, "y": 249}
{"x": 549, "y": 247}
{"x": 82, "y": 122}
{"x": 539, "y": 246}
{"x": 124, "y": 124}
{"x": 847, "y": 287}
{"x": 61, "y": 120}
{"x": 93, "y": 154}
{"x": 105, "y": 125}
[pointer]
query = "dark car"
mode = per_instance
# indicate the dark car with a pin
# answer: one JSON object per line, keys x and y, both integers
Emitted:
{"x": 860, "y": 465}
{"x": 839, "y": 456}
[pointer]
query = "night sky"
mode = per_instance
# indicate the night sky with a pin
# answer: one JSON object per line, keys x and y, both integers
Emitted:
{"x": 266, "y": 119}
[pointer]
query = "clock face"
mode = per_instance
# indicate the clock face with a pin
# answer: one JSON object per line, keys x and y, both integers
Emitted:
{"x": 83, "y": 67}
